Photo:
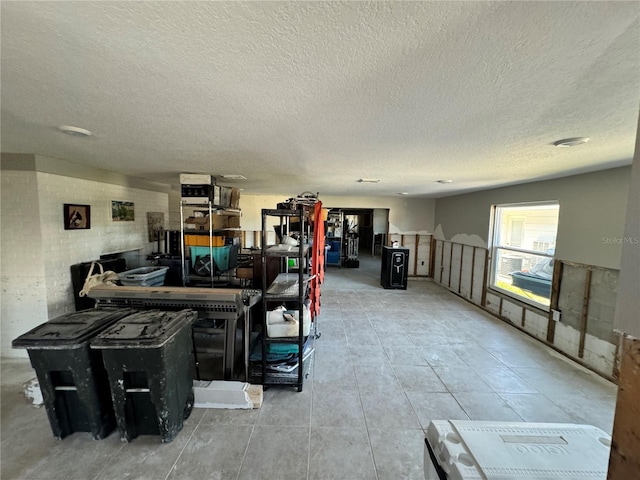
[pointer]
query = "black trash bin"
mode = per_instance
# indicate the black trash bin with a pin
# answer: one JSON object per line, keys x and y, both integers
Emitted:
{"x": 149, "y": 360}
{"x": 74, "y": 383}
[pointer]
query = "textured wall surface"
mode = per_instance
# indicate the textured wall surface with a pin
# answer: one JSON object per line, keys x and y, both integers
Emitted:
{"x": 37, "y": 252}
{"x": 23, "y": 297}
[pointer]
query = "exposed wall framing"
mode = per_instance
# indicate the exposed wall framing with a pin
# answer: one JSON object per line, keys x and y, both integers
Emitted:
{"x": 624, "y": 461}
{"x": 460, "y": 268}
{"x": 420, "y": 252}
{"x": 584, "y": 295}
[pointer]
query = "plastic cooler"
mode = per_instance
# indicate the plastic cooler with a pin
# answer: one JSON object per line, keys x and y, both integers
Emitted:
{"x": 143, "y": 276}
{"x": 74, "y": 383}
{"x": 149, "y": 360}
{"x": 473, "y": 450}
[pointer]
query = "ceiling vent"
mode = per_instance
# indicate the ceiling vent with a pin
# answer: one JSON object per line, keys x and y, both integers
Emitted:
{"x": 75, "y": 131}
{"x": 233, "y": 177}
{"x": 571, "y": 142}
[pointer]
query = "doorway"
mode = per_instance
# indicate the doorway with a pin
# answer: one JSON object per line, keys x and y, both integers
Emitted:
{"x": 369, "y": 224}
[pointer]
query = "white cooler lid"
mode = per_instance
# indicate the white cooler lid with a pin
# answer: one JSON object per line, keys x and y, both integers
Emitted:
{"x": 469, "y": 450}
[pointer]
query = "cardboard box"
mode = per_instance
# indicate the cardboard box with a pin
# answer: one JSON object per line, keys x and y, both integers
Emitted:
{"x": 197, "y": 223}
{"x": 202, "y": 223}
{"x": 215, "y": 195}
{"x": 221, "y": 394}
{"x": 225, "y": 196}
{"x": 244, "y": 272}
{"x": 196, "y": 179}
{"x": 234, "y": 222}
{"x": 235, "y": 198}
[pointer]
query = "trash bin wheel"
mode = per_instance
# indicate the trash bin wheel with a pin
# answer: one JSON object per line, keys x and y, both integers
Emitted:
{"x": 188, "y": 406}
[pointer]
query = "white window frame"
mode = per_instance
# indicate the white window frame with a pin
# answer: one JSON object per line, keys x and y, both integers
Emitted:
{"x": 494, "y": 246}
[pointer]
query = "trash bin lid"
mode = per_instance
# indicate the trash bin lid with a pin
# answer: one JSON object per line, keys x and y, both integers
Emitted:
{"x": 71, "y": 330}
{"x": 146, "y": 329}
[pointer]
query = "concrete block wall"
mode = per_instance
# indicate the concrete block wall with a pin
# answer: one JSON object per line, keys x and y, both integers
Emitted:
{"x": 602, "y": 304}
{"x": 424, "y": 255}
{"x": 536, "y": 324}
{"x": 418, "y": 245}
{"x": 23, "y": 299}
{"x": 460, "y": 268}
{"x": 53, "y": 250}
{"x": 456, "y": 268}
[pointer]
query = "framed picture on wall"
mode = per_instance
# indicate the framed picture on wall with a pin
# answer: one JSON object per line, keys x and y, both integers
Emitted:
{"x": 122, "y": 211}
{"x": 77, "y": 217}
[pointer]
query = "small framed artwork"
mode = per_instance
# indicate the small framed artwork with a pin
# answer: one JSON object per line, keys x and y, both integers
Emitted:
{"x": 155, "y": 225}
{"x": 122, "y": 211}
{"x": 77, "y": 217}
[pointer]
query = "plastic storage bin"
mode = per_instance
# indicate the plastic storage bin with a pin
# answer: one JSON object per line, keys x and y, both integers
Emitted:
{"x": 220, "y": 256}
{"x": 285, "y": 323}
{"x": 149, "y": 360}
{"x": 333, "y": 258}
{"x": 144, "y": 276}
{"x": 74, "y": 383}
{"x": 470, "y": 450}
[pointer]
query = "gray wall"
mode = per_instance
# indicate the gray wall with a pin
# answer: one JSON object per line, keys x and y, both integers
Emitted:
{"x": 628, "y": 305}
{"x": 592, "y": 213}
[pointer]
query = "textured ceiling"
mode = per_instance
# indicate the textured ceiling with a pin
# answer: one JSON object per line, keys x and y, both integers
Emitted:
{"x": 311, "y": 96}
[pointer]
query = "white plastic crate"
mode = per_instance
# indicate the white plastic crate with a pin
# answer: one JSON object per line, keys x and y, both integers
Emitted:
{"x": 470, "y": 450}
{"x": 143, "y": 276}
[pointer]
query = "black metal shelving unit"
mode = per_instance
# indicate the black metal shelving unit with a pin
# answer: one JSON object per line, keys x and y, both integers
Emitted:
{"x": 290, "y": 286}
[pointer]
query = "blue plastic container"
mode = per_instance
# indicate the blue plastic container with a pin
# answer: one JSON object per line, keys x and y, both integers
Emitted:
{"x": 220, "y": 255}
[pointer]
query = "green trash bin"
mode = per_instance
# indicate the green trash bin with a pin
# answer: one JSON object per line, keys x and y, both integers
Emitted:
{"x": 73, "y": 381}
{"x": 149, "y": 360}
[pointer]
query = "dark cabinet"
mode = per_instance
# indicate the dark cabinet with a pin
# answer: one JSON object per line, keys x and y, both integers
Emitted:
{"x": 395, "y": 266}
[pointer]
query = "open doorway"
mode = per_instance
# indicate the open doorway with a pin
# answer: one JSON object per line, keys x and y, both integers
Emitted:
{"x": 370, "y": 225}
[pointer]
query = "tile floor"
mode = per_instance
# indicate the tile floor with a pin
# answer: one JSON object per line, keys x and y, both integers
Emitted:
{"x": 387, "y": 363}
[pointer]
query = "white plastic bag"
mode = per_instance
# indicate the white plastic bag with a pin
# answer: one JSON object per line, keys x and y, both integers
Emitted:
{"x": 93, "y": 279}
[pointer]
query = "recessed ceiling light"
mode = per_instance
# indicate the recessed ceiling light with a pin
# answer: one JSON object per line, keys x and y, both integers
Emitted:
{"x": 571, "y": 142}
{"x": 403, "y": 193}
{"x": 444, "y": 181}
{"x": 75, "y": 131}
{"x": 233, "y": 177}
{"x": 368, "y": 180}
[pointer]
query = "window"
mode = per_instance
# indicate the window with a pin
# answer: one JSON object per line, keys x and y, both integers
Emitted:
{"x": 523, "y": 242}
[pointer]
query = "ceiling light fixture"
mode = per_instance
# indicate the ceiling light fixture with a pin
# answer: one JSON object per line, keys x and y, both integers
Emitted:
{"x": 571, "y": 142}
{"x": 75, "y": 131}
{"x": 403, "y": 193}
{"x": 444, "y": 181}
{"x": 368, "y": 180}
{"x": 233, "y": 177}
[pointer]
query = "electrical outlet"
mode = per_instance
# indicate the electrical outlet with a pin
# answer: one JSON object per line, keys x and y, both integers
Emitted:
{"x": 556, "y": 315}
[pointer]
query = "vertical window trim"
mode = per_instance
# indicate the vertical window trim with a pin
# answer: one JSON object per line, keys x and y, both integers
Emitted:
{"x": 494, "y": 233}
